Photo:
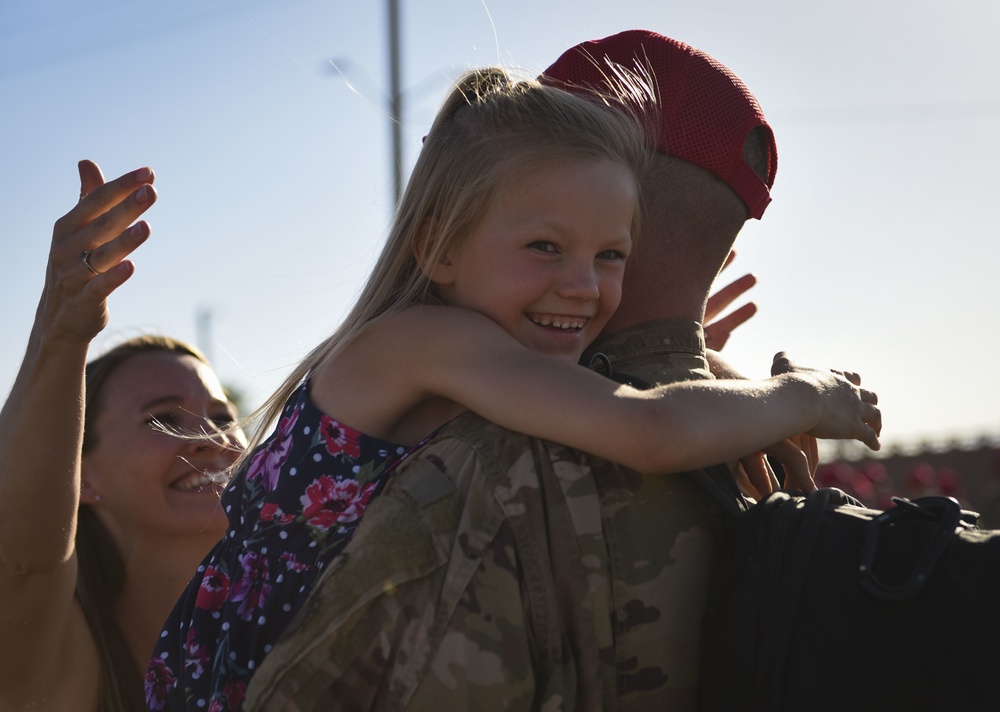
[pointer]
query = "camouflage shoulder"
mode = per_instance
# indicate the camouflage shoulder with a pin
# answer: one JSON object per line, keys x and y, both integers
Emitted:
{"x": 365, "y": 634}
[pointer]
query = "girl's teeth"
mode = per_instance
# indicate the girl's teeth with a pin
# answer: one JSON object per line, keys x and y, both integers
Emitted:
{"x": 575, "y": 324}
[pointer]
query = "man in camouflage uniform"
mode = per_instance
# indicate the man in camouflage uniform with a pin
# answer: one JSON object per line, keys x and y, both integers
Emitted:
{"x": 498, "y": 571}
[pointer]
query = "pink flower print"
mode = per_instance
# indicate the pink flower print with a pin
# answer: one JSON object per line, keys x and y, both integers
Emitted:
{"x": 159, "y": 679}
{"x": 358, "y": 505}
{"x": 217, "y": 705}
{"x": 272, "y": 512}
{"x": 195, "y": 656}
{"x": 235, "y": 691}
{"x": 339, "y": 439}
{"x": 268, "y": 460}
{"x": 293, "y": 564}
{"x": 252, "y": 588}
{"x": 213, "y": 590}
{"x": 328, "y": 502}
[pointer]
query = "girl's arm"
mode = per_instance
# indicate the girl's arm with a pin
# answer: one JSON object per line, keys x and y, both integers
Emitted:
{"x": 41, "y": 423}
{"x": 798, "y": 455}
{"x": 429, "y": 351}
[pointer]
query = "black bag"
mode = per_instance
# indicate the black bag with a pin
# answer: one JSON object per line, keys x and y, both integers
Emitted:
{"x": 819, "y": 603}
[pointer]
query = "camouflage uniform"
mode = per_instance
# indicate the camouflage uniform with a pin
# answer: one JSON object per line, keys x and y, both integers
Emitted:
{"x": 498, "y": 571}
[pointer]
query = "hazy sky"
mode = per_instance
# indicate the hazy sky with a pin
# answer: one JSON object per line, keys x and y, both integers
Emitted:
{"x": 879, "y": 253}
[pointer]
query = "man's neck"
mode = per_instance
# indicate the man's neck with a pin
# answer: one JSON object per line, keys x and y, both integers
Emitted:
{"x": 658, "y": 351}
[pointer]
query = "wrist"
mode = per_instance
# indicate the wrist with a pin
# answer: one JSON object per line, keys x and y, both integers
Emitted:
{"x": 808, "y": 394}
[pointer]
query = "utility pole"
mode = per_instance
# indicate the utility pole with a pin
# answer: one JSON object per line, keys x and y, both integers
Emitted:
{"x": 395, "y": 99}
{"x": 203, "y": 329}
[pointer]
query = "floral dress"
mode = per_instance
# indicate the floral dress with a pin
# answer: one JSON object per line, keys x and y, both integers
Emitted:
{"x": 292, "y": 508}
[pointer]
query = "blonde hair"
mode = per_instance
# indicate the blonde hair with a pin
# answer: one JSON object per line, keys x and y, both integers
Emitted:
{"x": 491, "y": 130}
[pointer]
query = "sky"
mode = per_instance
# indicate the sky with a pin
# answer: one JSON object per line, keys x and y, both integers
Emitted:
{"x": 267, "y": 126}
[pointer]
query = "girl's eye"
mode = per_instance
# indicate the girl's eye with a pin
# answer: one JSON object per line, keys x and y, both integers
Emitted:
{"x": 611, "y": 255}
{"x": 543, "y": 246}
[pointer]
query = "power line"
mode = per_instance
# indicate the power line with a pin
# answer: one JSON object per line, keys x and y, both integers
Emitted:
{"x": 893, "y": 114}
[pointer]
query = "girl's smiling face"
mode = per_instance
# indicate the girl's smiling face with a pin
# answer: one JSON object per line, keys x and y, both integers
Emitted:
{"x": 547, "y": 261}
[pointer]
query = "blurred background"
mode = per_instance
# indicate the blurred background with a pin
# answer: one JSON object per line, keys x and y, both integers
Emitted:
{"x": 268, "y": 126}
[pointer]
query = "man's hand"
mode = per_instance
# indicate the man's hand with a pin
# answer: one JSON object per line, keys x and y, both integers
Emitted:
{"x": 798, "y": 457}
{"x": 717, "y": 332}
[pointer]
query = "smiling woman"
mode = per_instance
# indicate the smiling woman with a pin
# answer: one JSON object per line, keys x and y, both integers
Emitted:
{"x": 138, "y": 393}
{"x": 144, "y": 492}
{"x": 103, "y": 513}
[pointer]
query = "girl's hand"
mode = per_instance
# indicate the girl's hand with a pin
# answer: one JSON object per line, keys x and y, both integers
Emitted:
{"x": 87, "y": 257}
{"x": 847, "y": 410}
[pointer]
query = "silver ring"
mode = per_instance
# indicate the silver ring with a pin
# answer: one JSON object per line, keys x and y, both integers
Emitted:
{"x": 85, "y": 258}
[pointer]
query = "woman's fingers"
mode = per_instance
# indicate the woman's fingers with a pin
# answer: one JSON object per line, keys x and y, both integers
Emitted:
{"x": 90, "y": 244}
{"x": 91, "y": 177}
{"x": 101, "y": 287}
{"x": 95, "y": 235}
{"x": 112, "y": 223}
{"x": 99, "y": 245}
{"x": 107, "y": 208}
{"x": 102, "y": 258}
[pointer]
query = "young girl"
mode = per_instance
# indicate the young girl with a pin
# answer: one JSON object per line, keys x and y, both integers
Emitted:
{"x": 506, "y": 259}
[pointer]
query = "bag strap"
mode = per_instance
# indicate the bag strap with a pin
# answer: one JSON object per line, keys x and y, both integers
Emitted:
{"x": 944, "y": 512}
{"x": 784, "y": 602}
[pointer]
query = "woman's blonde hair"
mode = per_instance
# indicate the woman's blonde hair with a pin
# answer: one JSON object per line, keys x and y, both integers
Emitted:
{"x": 491, "y": 130}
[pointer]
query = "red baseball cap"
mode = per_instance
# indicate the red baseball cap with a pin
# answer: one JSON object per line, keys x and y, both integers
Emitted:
{"x": 706, "y": 111}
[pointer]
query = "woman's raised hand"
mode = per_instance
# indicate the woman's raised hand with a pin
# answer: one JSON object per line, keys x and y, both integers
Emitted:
{"x": 89, "y": 246}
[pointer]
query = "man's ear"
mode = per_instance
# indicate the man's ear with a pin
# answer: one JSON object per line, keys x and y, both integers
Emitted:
{"x": 437, "y": 268}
